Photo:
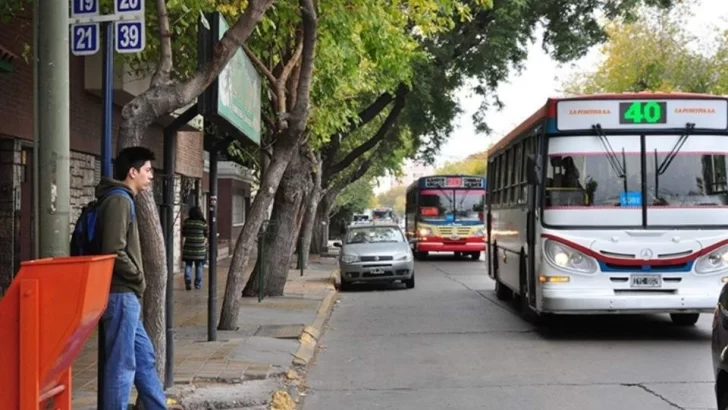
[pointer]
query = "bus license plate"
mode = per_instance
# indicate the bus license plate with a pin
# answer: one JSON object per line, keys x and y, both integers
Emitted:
{"x": 646, "y": 281}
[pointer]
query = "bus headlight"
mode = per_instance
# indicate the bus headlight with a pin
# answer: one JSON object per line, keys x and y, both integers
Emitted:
{"x": 425, "y": 232}
{"x": 567, "y": 258}
{"x": 713, "y": 262}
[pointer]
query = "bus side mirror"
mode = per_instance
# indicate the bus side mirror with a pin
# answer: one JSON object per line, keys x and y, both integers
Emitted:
{"x": 532, "y": 170}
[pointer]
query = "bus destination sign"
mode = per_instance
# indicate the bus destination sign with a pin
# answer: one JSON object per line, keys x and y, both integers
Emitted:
{"x": 453, "y": 182}
{"x": 642, "y": 114}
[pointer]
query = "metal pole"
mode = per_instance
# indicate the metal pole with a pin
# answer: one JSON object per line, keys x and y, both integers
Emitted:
{"x": 212, "y": 268}
{"x": 170, "y": 150}
{"x": 107, "y": 78}
{"x": 36, "y": 133}
{"x": 169, "y": 169}
{"x": 300, "y": 251}
{"x": 54, "y": 129}
{"x": 261, "y": 260}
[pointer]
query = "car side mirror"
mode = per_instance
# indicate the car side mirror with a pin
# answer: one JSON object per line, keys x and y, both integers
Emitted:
{"x": 337, "y": 244}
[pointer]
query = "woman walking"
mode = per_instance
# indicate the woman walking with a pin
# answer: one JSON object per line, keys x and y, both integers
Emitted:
{"x": 194, "y": 232}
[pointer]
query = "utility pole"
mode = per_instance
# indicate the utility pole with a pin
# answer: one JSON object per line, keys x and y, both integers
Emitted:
{"x": 54, "y": 128}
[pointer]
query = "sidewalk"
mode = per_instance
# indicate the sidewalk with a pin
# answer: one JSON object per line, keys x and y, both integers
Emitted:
{"x": 271, "y": 335}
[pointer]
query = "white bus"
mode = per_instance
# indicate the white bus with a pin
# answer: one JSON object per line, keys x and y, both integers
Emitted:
{"x": 614, "y": 203}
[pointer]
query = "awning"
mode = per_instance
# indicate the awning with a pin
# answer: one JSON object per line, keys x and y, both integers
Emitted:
{"x": 6, "y": 60}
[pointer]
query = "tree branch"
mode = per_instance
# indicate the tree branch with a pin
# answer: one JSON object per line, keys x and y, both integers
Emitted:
{"x": 357, "y": 152}
{"x": 260, "y": 66}
{"x": 145, "y": 108}
{"x": 294, "y": 59}
{"x": 163, "y": 73}
{"x": 365, "y": 116}
{"x": 310, "y": 24}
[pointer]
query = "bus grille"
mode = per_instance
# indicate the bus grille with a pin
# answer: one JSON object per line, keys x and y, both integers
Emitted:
{"x": 452, "y": 230}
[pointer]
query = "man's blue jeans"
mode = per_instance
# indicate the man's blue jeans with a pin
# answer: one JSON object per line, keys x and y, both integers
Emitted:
{"x": 129, "y": 356}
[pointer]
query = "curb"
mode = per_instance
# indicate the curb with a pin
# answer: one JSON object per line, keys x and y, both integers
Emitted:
{"x": 311, "y": 333}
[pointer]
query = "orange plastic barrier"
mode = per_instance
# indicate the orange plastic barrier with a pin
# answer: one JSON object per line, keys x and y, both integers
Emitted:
{"x": 46, "y": 317}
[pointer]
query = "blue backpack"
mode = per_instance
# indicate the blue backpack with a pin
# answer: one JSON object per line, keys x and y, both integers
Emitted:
{"x": 83, "y": 242}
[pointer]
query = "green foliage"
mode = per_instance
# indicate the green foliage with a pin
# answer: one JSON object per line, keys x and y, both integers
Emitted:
{"x": 394, "y": 198}
{"x": 656, "y": 53}
{"x": 11, "y": 9}
{"x": 355, "y": 198}
{"x": 485, "y": 49}
{"x": 468, "y": 166}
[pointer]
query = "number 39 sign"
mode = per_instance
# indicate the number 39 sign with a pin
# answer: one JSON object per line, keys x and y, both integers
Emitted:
{"x": 130, "y": 36}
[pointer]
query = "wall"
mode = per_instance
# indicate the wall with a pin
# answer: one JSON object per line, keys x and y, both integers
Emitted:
{"x": 16, "y": 108}
{"x": 10, "y": 179}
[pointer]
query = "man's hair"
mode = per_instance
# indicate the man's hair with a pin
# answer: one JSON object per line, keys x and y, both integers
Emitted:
{"x": 128, "y": 158}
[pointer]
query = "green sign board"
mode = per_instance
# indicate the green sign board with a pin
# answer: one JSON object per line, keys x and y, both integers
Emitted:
{"x": 238, "y": 92}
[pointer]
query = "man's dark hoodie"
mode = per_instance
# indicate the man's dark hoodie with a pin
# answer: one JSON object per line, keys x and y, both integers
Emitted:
{"x": 119, "y": 235}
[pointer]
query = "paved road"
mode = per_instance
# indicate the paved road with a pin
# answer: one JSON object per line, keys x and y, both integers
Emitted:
{"x": 450, "y": 344}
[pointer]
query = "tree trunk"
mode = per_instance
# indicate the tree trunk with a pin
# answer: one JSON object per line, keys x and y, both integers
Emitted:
{"x": 309, "y": 219}
{"x": 249, "y": 234}
{"x": 287, "y": 213}
{"x": 289, "y": 140}
{"x": 155, "y": 273}
{"x": 319, "y": 243}
{"x": 317, "y": 231}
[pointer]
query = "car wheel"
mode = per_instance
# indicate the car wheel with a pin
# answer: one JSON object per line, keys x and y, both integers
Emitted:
{"x": 345, "y": 286}
{"x": 410, "y": 283}
{"x": 684, "y": 319}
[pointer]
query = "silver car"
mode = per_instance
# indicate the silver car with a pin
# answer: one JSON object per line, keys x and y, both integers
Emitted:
{"x": 375, "y": 252}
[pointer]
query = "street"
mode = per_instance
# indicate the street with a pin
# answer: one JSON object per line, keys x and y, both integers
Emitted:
{"x": 450, "y": 344}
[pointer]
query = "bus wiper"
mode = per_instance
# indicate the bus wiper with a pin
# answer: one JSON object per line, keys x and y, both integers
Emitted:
{"x": 689, "y": 128}
{"x": 618, "y": 168}
{"x": 659, "y": 170}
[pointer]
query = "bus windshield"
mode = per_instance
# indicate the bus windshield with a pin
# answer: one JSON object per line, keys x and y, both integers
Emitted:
{"x": 580, "y": 174}
{"x": 451, "y": 205}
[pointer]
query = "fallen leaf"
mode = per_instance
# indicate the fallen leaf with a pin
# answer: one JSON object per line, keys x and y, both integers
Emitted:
{"x": 282, "y": 401}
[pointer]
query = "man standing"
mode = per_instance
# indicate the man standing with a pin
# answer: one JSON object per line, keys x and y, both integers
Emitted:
{"x": 129, "y": 352}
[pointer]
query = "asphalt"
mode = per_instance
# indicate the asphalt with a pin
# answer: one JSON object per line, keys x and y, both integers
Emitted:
{"x": 450, "y": 344}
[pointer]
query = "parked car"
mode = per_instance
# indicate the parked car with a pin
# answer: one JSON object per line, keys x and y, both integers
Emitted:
{"x": 375, "y": 253}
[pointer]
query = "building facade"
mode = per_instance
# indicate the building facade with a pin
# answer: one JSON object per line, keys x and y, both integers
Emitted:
{"x": 16, "y": 143}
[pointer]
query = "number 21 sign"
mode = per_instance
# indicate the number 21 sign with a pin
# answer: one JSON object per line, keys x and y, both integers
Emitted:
{"x": 84, "y": 39}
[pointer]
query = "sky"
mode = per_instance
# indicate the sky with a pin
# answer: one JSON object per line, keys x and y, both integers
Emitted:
{"x": 542, "y": 78}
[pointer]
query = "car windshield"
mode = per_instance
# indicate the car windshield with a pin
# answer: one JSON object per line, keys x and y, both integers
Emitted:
{"x": 374, "y": 234}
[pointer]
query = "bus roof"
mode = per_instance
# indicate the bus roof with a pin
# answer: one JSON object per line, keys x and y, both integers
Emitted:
{"x": 548, "y": 110}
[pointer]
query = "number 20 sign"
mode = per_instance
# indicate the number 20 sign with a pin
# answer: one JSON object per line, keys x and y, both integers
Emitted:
{"x": 130, "y": 36}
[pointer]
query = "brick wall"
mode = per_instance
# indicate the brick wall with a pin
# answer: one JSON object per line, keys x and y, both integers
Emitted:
{"x": 189, "y": 156}
{"x": 85, "y": 174}
{"x": 16, "y": 100}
